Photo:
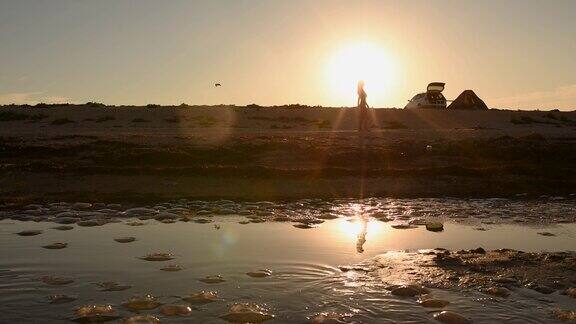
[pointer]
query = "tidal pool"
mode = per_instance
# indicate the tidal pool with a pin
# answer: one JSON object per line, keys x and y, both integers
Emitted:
{"x": 303, "y": 267}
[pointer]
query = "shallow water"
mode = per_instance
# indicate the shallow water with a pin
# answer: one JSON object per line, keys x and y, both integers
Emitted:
{"x": 305, "y": 276}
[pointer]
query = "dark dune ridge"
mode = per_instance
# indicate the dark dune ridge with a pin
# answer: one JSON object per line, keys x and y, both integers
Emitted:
{"x": 99, "y": 153}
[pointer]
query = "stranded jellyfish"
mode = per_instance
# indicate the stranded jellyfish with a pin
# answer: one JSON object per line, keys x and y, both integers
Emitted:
{"x": 159, "y": 256}
{"x": 203, "y": 297}
{"x": 141, "y": 319}
{"x": 56, "y": 281}
{"x": 95, "y": 313}
{"x": 30, "y": 233}
{"x": 137, "y": 303}
{"x": 55, "y": 246}
{"x": 260, "y": 273}
{"x": 247, "y": 313}
{"x": 63, "y": 227}
{"x": 212, "y": 279}
{"x": 451, "y": 318}
{"x": 60, "y": 299}
{"x": 125, "y": 239}
{"x": 409, "y": 290}
{"x": 433, "y": 303}
{"x": 172, "y": 268}
{"x": 112, "y": 286}
{"x": 176, "y": 310}
{"x": 329, "y": 318}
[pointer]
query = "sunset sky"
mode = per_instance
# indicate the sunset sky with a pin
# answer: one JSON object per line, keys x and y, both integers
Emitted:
{"x": 513, "y": 54}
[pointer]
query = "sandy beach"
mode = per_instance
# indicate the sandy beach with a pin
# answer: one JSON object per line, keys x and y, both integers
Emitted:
{"x": 148, "y": 153}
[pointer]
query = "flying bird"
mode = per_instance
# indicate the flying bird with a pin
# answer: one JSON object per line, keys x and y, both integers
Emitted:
{"x": 217, "y": 85}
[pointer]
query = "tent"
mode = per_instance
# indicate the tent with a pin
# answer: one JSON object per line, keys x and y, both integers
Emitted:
{"x": 468, "y": 100}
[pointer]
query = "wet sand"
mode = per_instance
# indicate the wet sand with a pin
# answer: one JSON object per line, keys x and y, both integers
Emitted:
{"x": 94, "y": 153}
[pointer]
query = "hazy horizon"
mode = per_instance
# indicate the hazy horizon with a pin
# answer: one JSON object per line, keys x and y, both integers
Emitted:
{"x": 514, "y": 54}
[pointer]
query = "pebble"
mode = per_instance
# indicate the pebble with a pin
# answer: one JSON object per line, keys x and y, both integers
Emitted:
{"x": 449, "y": 317}
{"x": 203, "y": 297}
{"x": 55, "y": 246}
{"x": 127, "y": 239}
{"x": 176, "y": 310}
{"x": 246, "y": 313}
{"x": 146, "y": 302}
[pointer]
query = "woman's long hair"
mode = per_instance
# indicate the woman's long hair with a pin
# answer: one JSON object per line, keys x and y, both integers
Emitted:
{"x": 361, "y": 88}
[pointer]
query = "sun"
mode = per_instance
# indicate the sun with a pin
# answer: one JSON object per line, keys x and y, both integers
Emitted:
{"x": 360, "y": 61}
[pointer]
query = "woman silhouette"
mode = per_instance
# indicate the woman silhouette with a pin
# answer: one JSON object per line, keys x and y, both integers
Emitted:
{"x": 362, "y": 108}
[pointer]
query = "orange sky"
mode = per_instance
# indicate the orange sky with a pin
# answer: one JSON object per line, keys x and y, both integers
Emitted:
{"x": 513, "y": 54}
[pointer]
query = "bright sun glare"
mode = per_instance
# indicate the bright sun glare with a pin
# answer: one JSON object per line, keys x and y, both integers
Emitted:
{"x": 361, "y": 61}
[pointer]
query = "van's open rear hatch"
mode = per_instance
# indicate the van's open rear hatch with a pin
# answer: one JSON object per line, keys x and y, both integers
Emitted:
{"x": 436, "y": 87}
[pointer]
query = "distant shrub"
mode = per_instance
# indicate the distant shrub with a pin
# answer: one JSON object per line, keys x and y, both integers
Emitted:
{"x": 183, "y": 105}
{"x": 62, "y": 121}
{"x": 153, "y": 106}
{"x": 253, "y": 106}
{"x": 140, "y": 120}
{"x": 95, "y": 104}
{"x": 104, "y": 119}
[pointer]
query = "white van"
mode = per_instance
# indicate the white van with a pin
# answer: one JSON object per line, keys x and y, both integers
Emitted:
{"x": 432, "y": 98}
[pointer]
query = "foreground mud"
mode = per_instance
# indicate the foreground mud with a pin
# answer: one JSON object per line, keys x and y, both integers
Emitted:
{"x": 141, "y": 154}
{"x": 495, "y": 272}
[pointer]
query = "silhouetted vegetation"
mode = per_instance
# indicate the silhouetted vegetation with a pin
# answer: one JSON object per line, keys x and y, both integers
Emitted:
{"x": 95, "y": 105}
